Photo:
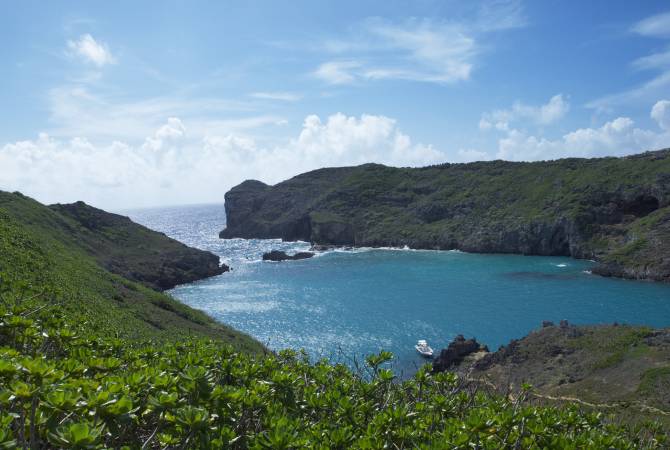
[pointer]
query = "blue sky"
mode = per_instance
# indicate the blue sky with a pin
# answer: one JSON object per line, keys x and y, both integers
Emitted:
{"x": 131, "y": 104}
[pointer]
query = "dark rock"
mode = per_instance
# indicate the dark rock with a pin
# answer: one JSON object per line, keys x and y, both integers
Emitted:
{"x": 564, "y": 324}
{"x": 276, "y": 255}
{"x": 458, "y": 349}
{"x": 321, "y": 248}
{"x": 547, "y": 323}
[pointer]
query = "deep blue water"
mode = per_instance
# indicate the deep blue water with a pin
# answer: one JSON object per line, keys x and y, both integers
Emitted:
{"x": 344, "y": 305}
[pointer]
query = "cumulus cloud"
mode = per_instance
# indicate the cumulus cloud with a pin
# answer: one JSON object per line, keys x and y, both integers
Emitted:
{"x": 555, "y": 109}
{"x": 91, "y": 51}
{"x": 174, "y": 165}
{"x": 617, "y": 137}
{"x": 661, "y": 114}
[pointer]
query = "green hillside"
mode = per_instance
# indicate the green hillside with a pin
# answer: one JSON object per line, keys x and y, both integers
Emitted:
{"x": 624, "y": 367}
{"x": 47, "y": 257}
{"x": 614, "y": 210}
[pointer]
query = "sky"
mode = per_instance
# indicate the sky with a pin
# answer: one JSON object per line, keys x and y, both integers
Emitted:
{"x": 136, "y": 104}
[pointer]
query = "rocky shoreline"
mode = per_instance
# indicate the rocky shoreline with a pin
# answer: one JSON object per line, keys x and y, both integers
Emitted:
{"x": 615, "y": 211}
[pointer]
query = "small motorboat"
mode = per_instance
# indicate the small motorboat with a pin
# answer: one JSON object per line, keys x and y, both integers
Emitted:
{"x": 424, "y": 349}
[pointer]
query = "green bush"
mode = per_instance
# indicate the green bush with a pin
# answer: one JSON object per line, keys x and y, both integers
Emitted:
{"x": 61, "y": 386}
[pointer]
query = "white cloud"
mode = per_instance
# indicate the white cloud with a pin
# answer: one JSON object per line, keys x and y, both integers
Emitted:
{"x": 657, "y": 26}
{"x": 617, "y": 137}
{"x": 555, "y": 109}
{"x": 661, "y": 114}
{"x": 282, "y": 96}
{"x": 654, "y": 26}
{"x": 647, "y": 92}
{"x": 422, "y": 50}
{"x": 440, "y": 53}
{"x": 658, "y": 60}
{"x": 177, "y": 164}
{"x": 76, "y": 111}
{"x": 416, "y": 50}
{"x": 91, "y": 51}
{"x": 338, "y": 72}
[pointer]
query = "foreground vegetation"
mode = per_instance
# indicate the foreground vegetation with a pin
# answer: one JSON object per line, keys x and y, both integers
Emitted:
{"x": 61, "y": 386}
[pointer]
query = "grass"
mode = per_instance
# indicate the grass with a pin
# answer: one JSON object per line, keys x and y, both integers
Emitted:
{"x": 654, "y": 380}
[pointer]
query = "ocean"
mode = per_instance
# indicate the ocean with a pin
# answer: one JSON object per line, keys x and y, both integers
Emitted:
{"x": 344, "y": 305}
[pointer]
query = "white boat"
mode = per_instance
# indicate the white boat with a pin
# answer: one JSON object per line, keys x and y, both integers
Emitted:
{"x": 423, "y": 348}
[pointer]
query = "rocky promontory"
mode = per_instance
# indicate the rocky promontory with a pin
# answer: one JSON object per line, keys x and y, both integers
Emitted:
{"x": 613, "y": 210}
{"x": 135, "y": 252}
{"x": 456, "y": 352}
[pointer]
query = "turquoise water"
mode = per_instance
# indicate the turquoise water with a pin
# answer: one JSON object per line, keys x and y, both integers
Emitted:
{"x": 343, "y": 305}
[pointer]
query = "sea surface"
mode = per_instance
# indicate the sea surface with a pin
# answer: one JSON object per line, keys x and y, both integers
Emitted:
{"x": 343, "y": 305}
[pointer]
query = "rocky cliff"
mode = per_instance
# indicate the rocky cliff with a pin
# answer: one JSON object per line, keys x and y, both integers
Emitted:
{"x": 134, "y": 251}
{"x": 614, "y": 210}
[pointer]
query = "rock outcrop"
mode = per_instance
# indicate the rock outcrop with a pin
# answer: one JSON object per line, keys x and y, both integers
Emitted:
{"x": 457, "y": 350}
{"x": 601, "y": 364}
{"x": 613, "y": 210}
{"x": 136, "y": 252}
{"x": 276, "y": 255}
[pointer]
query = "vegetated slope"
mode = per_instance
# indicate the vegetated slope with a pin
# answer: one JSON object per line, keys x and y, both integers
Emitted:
{"x": 44, "y": 254}
{"x": 136, "y": 252}
{"x": 63, "y": 388}
{"x": 615, "y": 210}
{"x": 626, "y": 367}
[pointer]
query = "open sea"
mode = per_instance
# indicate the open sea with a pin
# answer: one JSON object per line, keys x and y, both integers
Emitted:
{"x": 344, "y": 305}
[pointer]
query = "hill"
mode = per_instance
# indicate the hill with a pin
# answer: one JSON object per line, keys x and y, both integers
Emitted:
{"x": 90, "y": 263}
{"x": 136, "y": 252}
{"x": 622, "y": 369}
{"x": 613, "y": 210}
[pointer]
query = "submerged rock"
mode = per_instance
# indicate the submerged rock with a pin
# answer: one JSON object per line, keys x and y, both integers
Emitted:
{"x": 277, "y": 255}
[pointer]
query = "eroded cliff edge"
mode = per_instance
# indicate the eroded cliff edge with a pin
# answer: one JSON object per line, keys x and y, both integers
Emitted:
{"x": 135, "y": 252}
{"x": 613, "y": 210}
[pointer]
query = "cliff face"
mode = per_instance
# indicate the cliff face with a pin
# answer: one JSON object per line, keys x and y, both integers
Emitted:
{"x": 614, "y": 210}
{"x": 134, "y": 251}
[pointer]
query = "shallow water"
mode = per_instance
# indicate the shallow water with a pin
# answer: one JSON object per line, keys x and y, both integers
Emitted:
{"x": 344, "y": 305}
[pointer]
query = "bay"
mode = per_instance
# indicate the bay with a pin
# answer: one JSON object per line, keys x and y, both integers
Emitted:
{"x": 343, "y": 305}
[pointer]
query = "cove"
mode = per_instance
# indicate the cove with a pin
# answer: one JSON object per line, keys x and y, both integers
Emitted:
{"x": 344, "y": 305}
